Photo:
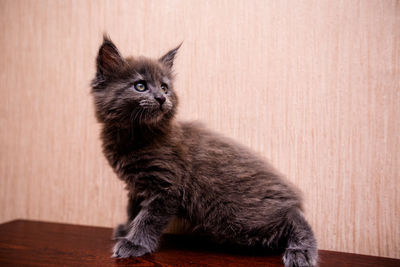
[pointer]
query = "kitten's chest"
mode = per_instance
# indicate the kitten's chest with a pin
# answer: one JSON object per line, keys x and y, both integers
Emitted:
{"x": 163, "y": 164}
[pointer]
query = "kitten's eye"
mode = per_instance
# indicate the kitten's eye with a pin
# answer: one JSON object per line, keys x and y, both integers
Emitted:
{"x": 164, "y": 87}
{"x": 140, "y": 86}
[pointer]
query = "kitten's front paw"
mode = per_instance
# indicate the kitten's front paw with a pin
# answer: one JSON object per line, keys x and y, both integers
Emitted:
{"x": 125, "y": 249}
{"x": 299, "y": 258}
{"x": 120, "y": 231}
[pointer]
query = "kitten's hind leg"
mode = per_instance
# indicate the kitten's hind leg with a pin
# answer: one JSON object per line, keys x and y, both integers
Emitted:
{"x": 301, "y": 248}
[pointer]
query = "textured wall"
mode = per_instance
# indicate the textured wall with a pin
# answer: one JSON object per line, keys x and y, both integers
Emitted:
{"x": 313, "y": 86}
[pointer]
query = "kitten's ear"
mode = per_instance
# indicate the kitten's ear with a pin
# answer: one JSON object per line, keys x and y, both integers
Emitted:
{"x": 168, "y": 58}
{"x": 109, "y": 59}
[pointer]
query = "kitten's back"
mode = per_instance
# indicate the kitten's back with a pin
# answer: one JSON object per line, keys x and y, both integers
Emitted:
{"x": 227, "y": 180}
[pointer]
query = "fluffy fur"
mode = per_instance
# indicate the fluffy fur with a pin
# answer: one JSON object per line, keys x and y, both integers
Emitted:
{"x": 181, "y": 169}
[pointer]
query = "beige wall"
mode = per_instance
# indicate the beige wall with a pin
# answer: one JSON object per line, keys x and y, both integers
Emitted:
{"x": 312, "y": 85}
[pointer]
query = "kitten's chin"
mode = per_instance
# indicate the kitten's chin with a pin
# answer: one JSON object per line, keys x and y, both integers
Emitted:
{"x": 155, "y": 119}
{"x": 156, "y": 116}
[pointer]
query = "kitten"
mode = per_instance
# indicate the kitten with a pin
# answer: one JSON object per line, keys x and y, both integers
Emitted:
{"x": 181, "y": 169}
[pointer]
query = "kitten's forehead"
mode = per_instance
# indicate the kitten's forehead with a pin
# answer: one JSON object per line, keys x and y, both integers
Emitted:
{"x": 149, "y": 69}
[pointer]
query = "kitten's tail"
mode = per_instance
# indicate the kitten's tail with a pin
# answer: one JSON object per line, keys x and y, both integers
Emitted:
{"x": 301, "y": 248}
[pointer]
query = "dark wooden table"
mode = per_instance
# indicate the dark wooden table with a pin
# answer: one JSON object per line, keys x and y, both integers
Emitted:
{"x": 31, "y": 243}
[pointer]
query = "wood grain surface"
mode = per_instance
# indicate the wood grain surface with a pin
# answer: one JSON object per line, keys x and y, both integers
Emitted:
{"x": 314, "y": 86}
{"x": 32, "y": 243}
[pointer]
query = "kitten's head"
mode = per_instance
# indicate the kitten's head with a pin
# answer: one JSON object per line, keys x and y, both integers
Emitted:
{"x": 134, "y": 90}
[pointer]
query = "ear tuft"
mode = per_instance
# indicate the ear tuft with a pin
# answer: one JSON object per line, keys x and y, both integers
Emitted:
{"x": 108, "y": 59}
{"x": 168, "y": 58}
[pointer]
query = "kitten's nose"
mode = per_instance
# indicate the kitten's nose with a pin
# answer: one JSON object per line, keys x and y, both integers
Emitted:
{"x": 160, "y": 99}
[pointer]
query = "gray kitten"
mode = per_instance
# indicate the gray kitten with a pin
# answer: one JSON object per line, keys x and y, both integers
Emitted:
{"x": 181, "y": 169}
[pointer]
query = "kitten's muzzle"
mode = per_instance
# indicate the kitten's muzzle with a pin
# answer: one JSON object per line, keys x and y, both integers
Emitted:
{"x": 160, "y": 99}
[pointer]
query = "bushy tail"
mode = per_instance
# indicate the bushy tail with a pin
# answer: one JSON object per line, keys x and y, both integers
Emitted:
{"x": 301, "y": 248}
